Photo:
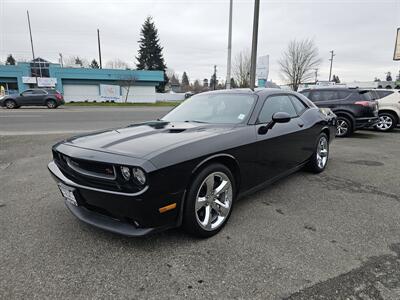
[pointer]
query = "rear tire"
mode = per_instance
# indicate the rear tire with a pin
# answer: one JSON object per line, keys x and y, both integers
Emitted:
{"x": 319, "y": 159}
{"x": 344, "y": 126}
{"x": 10, "y": 104}
{"x": 387, "y": 122}
{"x": 51, "y": 104}
{"x": 209, "y": 201}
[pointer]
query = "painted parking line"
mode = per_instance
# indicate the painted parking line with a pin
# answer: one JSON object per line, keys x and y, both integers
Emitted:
{"x": 21, "y": 116}
{"x": 17, "y": 133}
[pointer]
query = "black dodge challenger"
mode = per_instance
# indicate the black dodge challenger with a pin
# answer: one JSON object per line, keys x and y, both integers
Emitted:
{"x": 189, "y": 167}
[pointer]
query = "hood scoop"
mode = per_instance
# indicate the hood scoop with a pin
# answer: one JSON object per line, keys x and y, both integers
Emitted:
{"x": 176, "y": 130}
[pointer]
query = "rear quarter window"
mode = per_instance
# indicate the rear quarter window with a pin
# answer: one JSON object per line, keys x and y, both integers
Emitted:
{"x": 383, "y": 94}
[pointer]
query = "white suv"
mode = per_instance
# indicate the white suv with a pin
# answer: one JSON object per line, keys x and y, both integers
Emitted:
{"x": 389, "y": 108}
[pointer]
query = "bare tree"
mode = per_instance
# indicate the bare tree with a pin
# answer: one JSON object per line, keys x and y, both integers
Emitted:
{"x": 75, "y": 61}
{"x": 116, "y": 64}
{"x": 299, "y": 61}
{"x": 241, "y": 68}
{"x": 126, "y": 82}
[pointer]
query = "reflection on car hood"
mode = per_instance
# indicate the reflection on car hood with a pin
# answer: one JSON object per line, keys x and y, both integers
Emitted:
{"x": 140, "y": 140}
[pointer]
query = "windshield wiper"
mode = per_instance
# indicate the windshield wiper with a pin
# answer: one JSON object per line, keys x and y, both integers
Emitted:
{"x": 195, "y": 121}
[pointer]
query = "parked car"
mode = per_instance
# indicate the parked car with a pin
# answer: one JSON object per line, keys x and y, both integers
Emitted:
{"x": 33, "y": 97}
{"x": 355, "y": 109}
{"x": 190, "y": 166}
{"x": 389, "y": 108}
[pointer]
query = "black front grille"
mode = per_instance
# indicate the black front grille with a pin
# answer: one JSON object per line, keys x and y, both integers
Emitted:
{"x": 95, "y": 174}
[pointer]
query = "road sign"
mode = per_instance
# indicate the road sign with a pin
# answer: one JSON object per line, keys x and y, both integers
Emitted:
{"x": 396, "y": 55}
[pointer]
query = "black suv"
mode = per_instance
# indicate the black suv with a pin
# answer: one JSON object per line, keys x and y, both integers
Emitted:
{"x": 33, "y": 97}
{"x": 354, "y": 108}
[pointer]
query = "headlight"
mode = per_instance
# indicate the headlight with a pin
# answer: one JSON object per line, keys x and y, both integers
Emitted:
{"x": 326, "y": 111}
{"x": 126, "y": 173}
{"x": 139, "y": 175}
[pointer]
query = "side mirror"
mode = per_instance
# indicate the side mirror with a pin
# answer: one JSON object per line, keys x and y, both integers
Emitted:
{"x": 281, "y": 117}
{"x": 278, "y": 117}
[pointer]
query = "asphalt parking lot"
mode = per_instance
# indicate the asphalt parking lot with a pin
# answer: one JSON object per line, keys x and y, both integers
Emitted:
{"x": 328, "y": 236}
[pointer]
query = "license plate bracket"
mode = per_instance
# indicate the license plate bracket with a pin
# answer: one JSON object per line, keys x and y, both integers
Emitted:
{"x": 68, "y": 193}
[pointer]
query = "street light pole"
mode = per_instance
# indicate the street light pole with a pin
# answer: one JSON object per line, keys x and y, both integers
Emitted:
{"x": 331, "y": 59}
{"x": 228, "y": 65}
{"x": 254, "y": 45}
{"x": 98, "y": 43}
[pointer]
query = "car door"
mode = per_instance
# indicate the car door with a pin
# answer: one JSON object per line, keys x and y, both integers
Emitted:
{"x": 26, "y": 98}
{"x": 38, "y": 97}
{"x": 278, "y": 148}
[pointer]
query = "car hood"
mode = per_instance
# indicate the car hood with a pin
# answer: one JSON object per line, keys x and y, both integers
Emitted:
{"x": 141, "y": 140}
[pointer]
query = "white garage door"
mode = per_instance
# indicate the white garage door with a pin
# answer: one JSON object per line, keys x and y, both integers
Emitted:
{"x": 81, "y": 92}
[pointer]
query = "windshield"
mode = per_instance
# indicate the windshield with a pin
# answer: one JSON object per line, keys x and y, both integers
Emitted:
{"x": 213, "y": 108}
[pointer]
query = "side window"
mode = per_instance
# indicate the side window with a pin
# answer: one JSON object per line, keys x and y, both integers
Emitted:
{"x": 316, "y": 96}
{"x": 38, "y": 92}
{"x": 27, "y": 93}
{"x": 306, "y": 94}
{"x": 273, "y": 104}
{"x": 344, "y": 94}
{"x": 298, "y": 104}
{"x": 384, "y": 93}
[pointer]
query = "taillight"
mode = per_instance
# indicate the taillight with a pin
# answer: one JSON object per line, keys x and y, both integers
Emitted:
{"x": 363, "y": 103}
{"x": 59, "y": 96}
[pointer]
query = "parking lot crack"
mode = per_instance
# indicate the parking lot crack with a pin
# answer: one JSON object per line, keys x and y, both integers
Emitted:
{"x": 332, "y": 182}
{"x": 377, "y": 278}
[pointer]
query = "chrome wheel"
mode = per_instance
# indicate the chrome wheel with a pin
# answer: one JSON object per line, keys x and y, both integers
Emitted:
{"x": 51, "y": 104}
{"x": 342, "y": 127}
{"x": 385, "y": 122}
{"x": 213, "y": 201}
{"x": 10, "y": 104}
{"x": 322, "y": 152}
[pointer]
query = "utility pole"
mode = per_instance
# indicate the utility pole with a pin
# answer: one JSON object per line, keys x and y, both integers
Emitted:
{"x": 228, "y": 65}
{"x": 33, "y": 51}
{"x": 61, "y": 60}
{"x": 98, "y": 42}
{"x": 215, "y": 77}
{"x": 30, "y": 34}
{"x": 316, "y": 75}
{"x": 254, "y": 44}
{"x": 331, "y": 59}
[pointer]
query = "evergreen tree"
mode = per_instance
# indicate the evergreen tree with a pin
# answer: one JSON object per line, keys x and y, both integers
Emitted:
{"x": 10, "y": 60}
{"x": 185, "y": 82}
{"x": 233, "y": 84}
{"x": 150, "y": 51}
{"x": 335, "y": 79}
{"x": 78, "y": 61}
{"x": 94, "y": 64}
{"x": 388, "y": 76}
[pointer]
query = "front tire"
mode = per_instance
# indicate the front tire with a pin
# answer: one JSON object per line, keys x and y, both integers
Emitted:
{"x": 344, "y": 126}
{"x": 319, "y": 159}
{"x": 387, "y": 122}
{"x": 10, "y": 104}
{"x": 209, "y": 201}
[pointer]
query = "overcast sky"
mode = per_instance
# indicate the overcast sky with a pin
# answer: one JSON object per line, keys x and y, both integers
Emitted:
{"x": 194, "y": 32}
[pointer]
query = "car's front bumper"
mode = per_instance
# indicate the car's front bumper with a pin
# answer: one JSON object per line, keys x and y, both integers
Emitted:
{"x": 123, "y": 214}
{"x": 366, "y": 122}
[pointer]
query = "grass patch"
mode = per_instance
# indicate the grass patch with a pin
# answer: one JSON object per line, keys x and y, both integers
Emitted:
{"x": 161, "y": 103}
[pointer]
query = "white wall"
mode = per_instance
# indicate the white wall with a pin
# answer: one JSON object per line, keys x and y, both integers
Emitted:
{"x": 170, "y": 96}
{"x": 91, "y": 92}
{"x": 139, "y": 94}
